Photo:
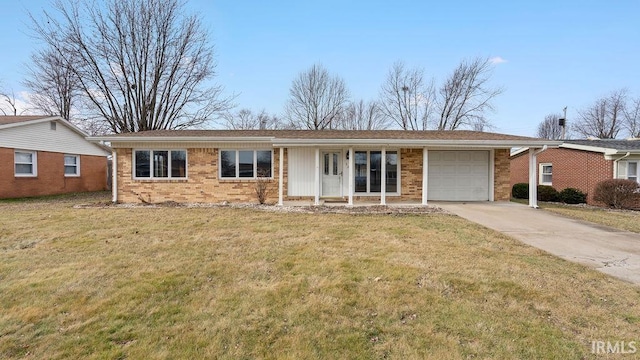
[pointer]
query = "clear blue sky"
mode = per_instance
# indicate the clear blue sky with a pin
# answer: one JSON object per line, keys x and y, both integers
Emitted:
{"x": 557, "y": 53}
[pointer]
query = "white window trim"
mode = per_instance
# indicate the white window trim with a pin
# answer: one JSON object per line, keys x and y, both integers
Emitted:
{"x": 637, "y": 174}
{"x": 77, "y": 165}
{"x": 540, "y": 177}
{"x": 379, "y": 193}
{"x": 151, "y": 177}
{"x": 255, "y": 165}
{"x": 34, "y": 163}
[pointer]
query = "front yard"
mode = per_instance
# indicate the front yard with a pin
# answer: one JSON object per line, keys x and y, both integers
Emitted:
{"x": 620, "y": 219}
{"x": 187, "y": 283}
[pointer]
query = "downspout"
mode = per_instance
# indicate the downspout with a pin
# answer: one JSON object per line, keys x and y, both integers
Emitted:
{"x": 615, "y": 165}
{"x": 533, "y": 177}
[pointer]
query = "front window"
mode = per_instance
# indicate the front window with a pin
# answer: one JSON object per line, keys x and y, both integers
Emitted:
{"x": 546, "y": 174}
{"x": 160, "y": 164}
{"x": 245, "y": 163}
{"x": 71, "y": 165}
{"x": 632, "y": 170}
{"x": 368, "y": 171}
{"x": 25, "y": 163}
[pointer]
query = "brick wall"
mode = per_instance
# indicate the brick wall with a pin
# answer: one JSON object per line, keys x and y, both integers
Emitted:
{"x": 571, "y": 168}
{"x": 50, "y": 179}
{"x": 411, "y": 174}
{"x": 202, "y": 184}
{"x": 501, "y": 179}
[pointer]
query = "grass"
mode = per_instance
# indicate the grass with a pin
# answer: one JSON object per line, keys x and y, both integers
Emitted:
{"x": 182, "y": 283}
{"x": 620, "y": 219}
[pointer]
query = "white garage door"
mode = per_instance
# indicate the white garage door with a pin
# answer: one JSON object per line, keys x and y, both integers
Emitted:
{"x": 458, "y": 175}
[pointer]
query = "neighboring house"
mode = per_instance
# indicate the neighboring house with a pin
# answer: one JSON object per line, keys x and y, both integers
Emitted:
{"x": 223, "y": 165}
{"x": 44, "y": 155}
{"x": 581, "y": 164}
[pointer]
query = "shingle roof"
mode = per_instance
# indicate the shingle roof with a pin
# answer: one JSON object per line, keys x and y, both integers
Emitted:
{"x": 632, "y": 144}
{"x": 329, "y": 134}
{"x": 17, "y": 119}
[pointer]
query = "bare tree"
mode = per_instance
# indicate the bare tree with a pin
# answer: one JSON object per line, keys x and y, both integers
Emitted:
{"x": 405, "y": 98}
{"x": 549, "y": 127}
{"x": 603, "y": 118}
{"x": 245, "y": 119}
{"x": 632, "y": 117}
{"x": 52, "y": 83}
{"x": 140, "y": 64}
{"x": 465, "y": 97}
{"x": 10, "y": 99}
{"x": 317, "y": 99}
{"x": 362, "y": 115}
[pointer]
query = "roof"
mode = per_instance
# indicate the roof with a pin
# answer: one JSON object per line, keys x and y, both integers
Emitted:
{"x": 335, "y": 137}
{"x": 18, "y": 119}
{"x": 614, "y": 144}
{"x": 608, "y": 147}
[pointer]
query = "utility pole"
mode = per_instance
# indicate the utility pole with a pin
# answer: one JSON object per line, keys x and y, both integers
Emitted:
{"x": 563, "y": 123}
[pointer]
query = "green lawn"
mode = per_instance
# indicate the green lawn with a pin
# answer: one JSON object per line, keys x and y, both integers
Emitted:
{"x": 190, "y": 283}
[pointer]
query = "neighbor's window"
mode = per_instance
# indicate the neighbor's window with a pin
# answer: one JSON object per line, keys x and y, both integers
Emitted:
{"x": 628, "y": 170}
{"x": 71, "y": 165}
{"x": 245, "y": 163}
{"x": 368, "y": 171}
{"x": 25, "y": 163}
{"x": 160, "y": 164}
{"x": 546, "y": 172}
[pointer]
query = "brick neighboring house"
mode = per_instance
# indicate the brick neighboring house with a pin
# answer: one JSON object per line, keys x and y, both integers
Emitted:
{"x": 225, "y": 165}
{"x": 581, "y": 164}
{"x": 45, "y": 155}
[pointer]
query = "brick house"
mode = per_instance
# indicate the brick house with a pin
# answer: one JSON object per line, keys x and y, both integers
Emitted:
{"x": 44, "y": 155}
{"x": 580, "y": 164}
{"x": 225, "y": 165}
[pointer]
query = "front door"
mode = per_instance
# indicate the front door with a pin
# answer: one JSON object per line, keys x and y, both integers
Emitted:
{"x": 331, "y": 174}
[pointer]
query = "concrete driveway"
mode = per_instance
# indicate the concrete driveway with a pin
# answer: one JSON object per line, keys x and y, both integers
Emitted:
{"x": 611, "y": 251}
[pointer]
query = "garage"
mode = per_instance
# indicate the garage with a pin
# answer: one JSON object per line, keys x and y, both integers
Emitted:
{"x": 458, "y": 175}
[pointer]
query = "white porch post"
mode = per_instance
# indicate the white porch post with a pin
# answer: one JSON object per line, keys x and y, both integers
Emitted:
{"x": 425, "y": 174}
{"x": 533, "y": 179}
{"x": 316, "y": 200}
{"x": 383, "y": 178}
{"x": 351, "y": 176}
{"x": 280, "y": 175}
{"x": 114, "y": 176}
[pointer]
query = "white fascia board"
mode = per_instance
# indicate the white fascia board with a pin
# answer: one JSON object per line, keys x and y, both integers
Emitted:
{"x": 615, "y": 155}
{"x": 519, "y": 151}
{"x": 196, "y": 139}
{"x": 489, "y": 144}
{"x": 586, "y": 148}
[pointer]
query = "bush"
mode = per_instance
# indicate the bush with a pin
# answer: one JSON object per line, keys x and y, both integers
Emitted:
{"x": 520, "y": 191}
{"x": 618, "y": 193}
{"x": 547, "y": 193}
{"x": 572, "y": 196}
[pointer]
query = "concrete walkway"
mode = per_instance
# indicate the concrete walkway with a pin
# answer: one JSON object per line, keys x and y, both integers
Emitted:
{"x": 611, "y": 251}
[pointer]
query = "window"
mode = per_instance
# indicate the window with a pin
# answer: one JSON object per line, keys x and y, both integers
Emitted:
{"x": 71, "y": 165}
{"x": 160, "y": 164}
{"x": 26, "y": 163}
{"x": 246, "y": 164}
{"x": 368, "y": 171}
{"x": 546, "y": 172}
{"x": 628, "y": 170}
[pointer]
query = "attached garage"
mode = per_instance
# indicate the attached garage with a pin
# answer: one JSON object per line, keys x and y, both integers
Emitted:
{"x": 458, "y": 175}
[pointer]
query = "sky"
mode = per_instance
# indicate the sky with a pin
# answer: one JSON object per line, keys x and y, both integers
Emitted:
{"x": 548, "y": 54}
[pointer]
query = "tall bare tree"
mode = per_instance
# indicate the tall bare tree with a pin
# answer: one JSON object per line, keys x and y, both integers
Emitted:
{"x": 52, "y": 83}
{"x": 9, "y": 98}
{"x": 362, "y": 115}
{"x": 316, "y": 100}
{"x": 632, "y": 117}
{"x": 245, "y": 119}
{"x": 405, "y": 97}
{"x": 603, "y": 118}
{"x": 549, "y": 127}
{"x": 140, "y": 64}
{"x": 465, "y": 97}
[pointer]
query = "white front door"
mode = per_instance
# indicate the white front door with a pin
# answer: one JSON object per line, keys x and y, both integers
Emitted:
{"x": 331, "y": 174}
